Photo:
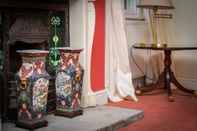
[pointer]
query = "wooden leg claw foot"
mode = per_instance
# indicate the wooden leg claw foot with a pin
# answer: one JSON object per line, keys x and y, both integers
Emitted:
{"x": 138, "y": 92}
{"x": 170, "y": 98}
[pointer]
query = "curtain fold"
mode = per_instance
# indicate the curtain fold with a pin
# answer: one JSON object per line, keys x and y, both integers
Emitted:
{"x": 155, "y": 59}
{"x": 154, "y": 65}
{"x": 118, "y": 74}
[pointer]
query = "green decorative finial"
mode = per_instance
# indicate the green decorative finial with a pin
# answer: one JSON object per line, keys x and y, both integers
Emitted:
{"x": 55, "y": 21}
{"x": 55, "y": 39}
{"x": 54, "y": 55}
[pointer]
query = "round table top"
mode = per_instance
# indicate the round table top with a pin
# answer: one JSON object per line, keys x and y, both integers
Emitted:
{"x": 165, "y": 46}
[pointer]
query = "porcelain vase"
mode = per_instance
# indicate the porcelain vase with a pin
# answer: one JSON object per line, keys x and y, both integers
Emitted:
{"x": 69, "y": 79}
{"x": 32, "y": 89}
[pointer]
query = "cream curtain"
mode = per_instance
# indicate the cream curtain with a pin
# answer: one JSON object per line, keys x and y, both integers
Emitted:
{"x": 118, "y": 74}
{"x": 152, "y": 60}
{"x": 164, "y": 34}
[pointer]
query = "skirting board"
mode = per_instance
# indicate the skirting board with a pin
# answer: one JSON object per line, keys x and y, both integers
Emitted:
{"x": 94, "y": 99}
{"x": 101, "y": 97}
{"x": 188, "y": 82}
{"x": 139, "y": 81}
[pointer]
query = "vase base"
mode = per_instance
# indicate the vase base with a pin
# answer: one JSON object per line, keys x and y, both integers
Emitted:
{"x": 69, "y": 114}
{"x": 32, "y": 126}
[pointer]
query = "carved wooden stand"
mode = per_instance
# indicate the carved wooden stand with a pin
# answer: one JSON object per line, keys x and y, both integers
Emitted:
{"x": 168, "y": 77}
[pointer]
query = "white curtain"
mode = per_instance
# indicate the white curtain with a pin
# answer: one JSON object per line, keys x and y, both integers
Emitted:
{"x": 154, "y": 59}
{"x": 154, "y": 65}
{"x": 164, "y": 34}
{"x": 118, "y": 74}
{"x": 150, "y": 61}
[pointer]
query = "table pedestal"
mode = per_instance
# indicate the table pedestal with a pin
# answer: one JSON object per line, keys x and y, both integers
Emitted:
{"x": 166, "y": 78}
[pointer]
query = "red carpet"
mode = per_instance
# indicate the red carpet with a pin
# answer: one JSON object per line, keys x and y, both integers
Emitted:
{"x": 161, "y": 115}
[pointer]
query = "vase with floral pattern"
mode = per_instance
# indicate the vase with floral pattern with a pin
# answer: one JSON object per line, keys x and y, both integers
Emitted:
{"x": 32, "y": 89}
{"x": 69, "y": 79}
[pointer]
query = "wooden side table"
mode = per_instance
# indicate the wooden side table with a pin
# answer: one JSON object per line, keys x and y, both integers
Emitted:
{"x": 167, "y": 76}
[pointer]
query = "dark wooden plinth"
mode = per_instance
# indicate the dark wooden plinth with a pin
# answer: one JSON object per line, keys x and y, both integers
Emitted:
{"x": 69, "y": 114}
{"x": 32, "y": 126}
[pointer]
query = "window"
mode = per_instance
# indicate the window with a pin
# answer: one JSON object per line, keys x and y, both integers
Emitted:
{"x": 130, "y": 5}
{"x": 131, "y": 11}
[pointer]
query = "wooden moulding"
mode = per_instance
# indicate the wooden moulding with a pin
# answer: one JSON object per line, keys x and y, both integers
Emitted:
{"x": 42, "y": 5}
{"x": 69, "y": 114}
{"x": 32, "y": 126}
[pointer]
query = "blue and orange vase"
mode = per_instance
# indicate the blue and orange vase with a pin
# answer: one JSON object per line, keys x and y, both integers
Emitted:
{"x": 32, "y": 89}
{"x": 69, "y": 81}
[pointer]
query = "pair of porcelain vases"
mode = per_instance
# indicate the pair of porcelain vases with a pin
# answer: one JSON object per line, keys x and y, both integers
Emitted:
{"x": 33, "y": 82}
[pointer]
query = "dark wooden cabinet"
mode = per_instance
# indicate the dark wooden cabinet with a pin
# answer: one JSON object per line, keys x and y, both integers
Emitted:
{"x": 26, "y": 25}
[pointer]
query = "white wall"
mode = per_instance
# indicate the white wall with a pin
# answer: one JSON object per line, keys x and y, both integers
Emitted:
{"x": 184, "y": 25}
{"x": 78, "y": 26}
{"x": 184, "y": 20}
{"x": 183, "y": 29}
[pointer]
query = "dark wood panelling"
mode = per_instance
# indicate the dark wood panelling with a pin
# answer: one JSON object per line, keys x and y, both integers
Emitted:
{"x": 33, "y": 36}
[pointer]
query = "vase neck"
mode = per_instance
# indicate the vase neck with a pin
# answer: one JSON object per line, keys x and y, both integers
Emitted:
{"x": 69, "y": 59}
{"x": 32, "y": 65}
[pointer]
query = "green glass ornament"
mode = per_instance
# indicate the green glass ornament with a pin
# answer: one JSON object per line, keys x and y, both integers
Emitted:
{"x": 54, "y": 55}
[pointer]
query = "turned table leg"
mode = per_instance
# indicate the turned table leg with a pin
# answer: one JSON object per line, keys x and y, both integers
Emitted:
{"x": 167, "y": 73}
{"x": 166, "y": 78}
{"x": 169, "y": 76}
